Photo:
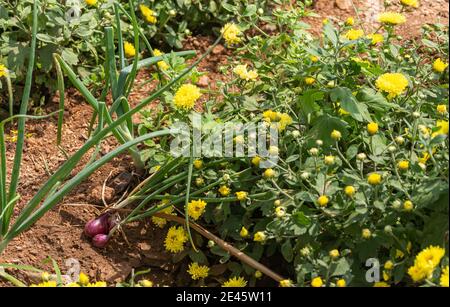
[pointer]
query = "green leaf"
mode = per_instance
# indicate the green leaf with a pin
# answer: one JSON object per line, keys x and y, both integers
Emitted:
{"x": 287, "y": 251}
{"x": 69, "y": 56}
{"x": 349, "y": 103}
{"x": 301, "y": 219}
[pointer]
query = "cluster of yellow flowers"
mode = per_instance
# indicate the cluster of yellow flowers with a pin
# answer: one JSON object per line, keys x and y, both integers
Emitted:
{"x": 231, "y": 33}
{"x": 278, "y": 119}
{"x": 198, "y": 271}
{"x": 175, "y": 239}
{"x": 392, "y": 83}
{"x": 391, "y": 18}
{"x": 196, "y": 208}
{"x": 411, "y": 3}
{"x": 83, "y": 281}
{"x": 244, "y": 74}
{"x": 161, "y": 64}
{"x": 148, "y": 14}
{"x": 186, "y": 97}
{"x": 425, "y": 264}
{"x": 439, "y": 65}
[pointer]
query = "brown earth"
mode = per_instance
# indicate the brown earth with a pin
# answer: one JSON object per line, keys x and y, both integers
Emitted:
{"x": 59, "y": 234}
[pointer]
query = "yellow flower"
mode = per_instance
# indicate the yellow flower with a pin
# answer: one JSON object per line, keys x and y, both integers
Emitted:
{"x": 329, "y": 160}
{"x": 374, "y": 179}
{"x": 336, "y": 135}
{"x": 269, "y": 173}
{"x": 198, "y": 164}
{"x": 376, "y": 38}
{"x": 286, "y": 283}
{"x": 341, "y": 283}
{"x": 439, "y": 65}
{"x": 323, "y": 201}
{"x": 231, "y": 33}
{"x": 244, "y": 74}
{"x": 442, "y": 108}
{"x": 430, "y": 257}
{"x": 386, "y": 276}
{"x": 224, "y": 190}
{"x": 314, "y": 59}
{"x": 196, "y": 208}
{"x": 317, "y": 282}
{"x": 285, "y": 120}
{"x": 244, "y": 232}
{"x": 146, "y": 283}
{"x": 349, "y": 191}
{"x": 148, "y": 14}
{"x": 72, "y": 285}
{"x": 366, "y": 233}
{"x": 444, "y": 277}
{"x": 389, "y": 265}
{"x": 235, "y": 282}
{"x": 186, "y": 96}
{"x": 280, "y": 211}
{"x": 45, "y": 284}
{"x": 83, "y": 279}
{"x": 334, "y": 253}
{"x": 260, "y": 236}
{"x": 45, "y": 276}
{"x": 129, "y": 50}
{"x": 198, "y": 271}
{"x": 175, "y": 239}
{"x": 350, "y": 21}
{"x": 161, "y": 64}
{"x": 309, "y": 80}
{"x": 241, "y": 195}
{"x": 412, "y": 3}
{"x": 372, "y": 128}
{"x": 393, "y": 84}
{"x": 354, "y": 34}
{"x": 3, "y": 70}
{"x": 325, "y": 21}
{"x": 98, "y": 284}
{"x": 403, "y": 165}
{"x": 443, "y": 128}
{"x": 381, "y": 284}
{"x": 391, "y": 18}
{"x": 159, "y": 221}
{"x": 91, "y": 2}
{"x": 256, "y": 160}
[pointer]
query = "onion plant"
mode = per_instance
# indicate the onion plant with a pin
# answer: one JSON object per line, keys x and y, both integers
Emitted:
{"x": 113, "y": 120}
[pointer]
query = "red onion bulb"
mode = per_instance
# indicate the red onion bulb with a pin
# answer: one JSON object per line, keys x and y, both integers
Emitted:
{"x": 100, "y": 240}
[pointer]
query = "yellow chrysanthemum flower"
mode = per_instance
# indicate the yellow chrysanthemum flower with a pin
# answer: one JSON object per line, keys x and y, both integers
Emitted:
{"x": 159, "y": 221}
{"x": 260, "y": 236}
{"x": 334, "y": 253}
{"x": 129, "y": 50}
{"x": 314, "y": 59}
{"x": 244, "y": 232}
{"x": 411, "y": 3}
{"x": 336, "y": 135}
{"x": 146, "y": 283}
{"x": 235, "y": 282}
{"x": 256, "y": 160}
{"x": 3, "y": 70}
{"x": 392, "y": 83}
{"x": 161, "y": 64}
{"x": 389, "y": 265}
{"x": 241, "y": 195}
{"x": 354, "y": 34}
{"x": 198, "y": 271}
{"x": 317, "y": 282}
{"x": 381, "y": 284}
{"x": 374, "y": 179}
{"x": 376, "y": 38}
{"x": 444, "y": 277}
{"x": 175, "y": 239}
{"x": 148, "y": 14}
{"x": 329, "y": 160}
{"x": 323, "y": 201}
{"x": 366, "y": 233}
{"x": 341, "y": 283}
{"x": 196, "y": 208}
{"x": 224, "y": 190}
{"x": 186, "y": 96}
{"x": 442, "y": 108}
{"x": 430, "y": 256}
{"x": 350, "y": 21}
{"x": 90, "y": 2}
{"x": 372, "y": 128}
{"x": 46, "y": 284}
{"x": 244, "y": 74}
{"x": 439, "y": 65}
{"x": 443, "y": 128}
{"x": 83, "y": 279}
{"x": 198, "y": 164}
{"x": 349, "y": 191}
{"x": 403, "y": 165}
{"x": 98, "y": 284}
{"x": 286, "y": 283}
{"x": 269, "y": 173}
{"x": 309, "y": 80}
{"x": 391, "y": 18}
{"x": 231, "y": 33}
